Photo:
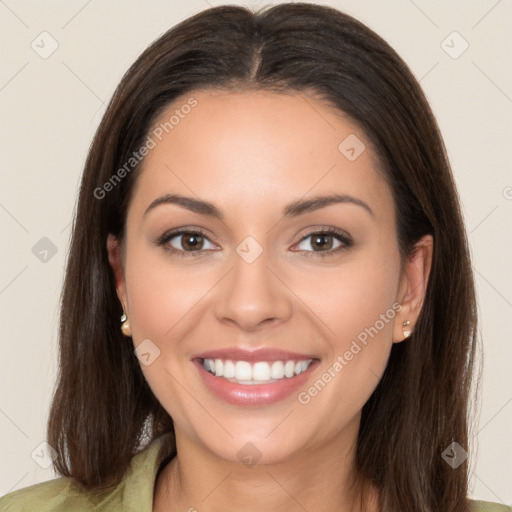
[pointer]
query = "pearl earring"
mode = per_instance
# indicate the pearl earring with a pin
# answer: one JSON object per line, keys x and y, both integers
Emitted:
{"x": 406, "y": 332}
{"x": 125, "y": 325}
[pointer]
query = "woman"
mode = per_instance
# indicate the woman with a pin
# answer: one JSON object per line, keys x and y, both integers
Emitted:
{"x": 268, "y": 208}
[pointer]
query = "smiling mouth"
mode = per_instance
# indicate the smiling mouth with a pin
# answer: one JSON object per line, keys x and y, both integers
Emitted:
{"x": 260, "y": 372}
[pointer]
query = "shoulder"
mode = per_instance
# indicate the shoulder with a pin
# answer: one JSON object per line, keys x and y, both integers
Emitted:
{"x": 53, "y": 495}
{"x": 64, "y": 494}
{"x": 487, "y": 506}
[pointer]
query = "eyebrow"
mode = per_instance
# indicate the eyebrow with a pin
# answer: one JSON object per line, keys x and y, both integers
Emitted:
{"x": 293, "y": 209}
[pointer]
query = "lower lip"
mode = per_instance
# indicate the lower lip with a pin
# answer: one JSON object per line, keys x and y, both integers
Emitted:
{"x": 254, "y": 394}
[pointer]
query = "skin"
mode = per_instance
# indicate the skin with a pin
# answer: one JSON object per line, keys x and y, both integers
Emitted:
{"x": 252, "y": 153}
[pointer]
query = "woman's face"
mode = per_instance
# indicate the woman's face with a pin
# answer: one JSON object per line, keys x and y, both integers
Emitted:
{"x": 255, "y": 286}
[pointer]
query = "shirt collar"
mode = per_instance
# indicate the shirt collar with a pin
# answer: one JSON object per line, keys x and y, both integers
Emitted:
{"x": 139, "y": 482}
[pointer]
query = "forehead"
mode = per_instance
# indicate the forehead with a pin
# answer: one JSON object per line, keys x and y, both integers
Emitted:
{"x": 251, "y": 149}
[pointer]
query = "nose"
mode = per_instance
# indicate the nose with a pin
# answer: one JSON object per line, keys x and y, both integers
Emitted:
{"x": 253, "y": 295}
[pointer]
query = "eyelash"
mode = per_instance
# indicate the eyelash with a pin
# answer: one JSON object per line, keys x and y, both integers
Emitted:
{"x": 340, "y": 235}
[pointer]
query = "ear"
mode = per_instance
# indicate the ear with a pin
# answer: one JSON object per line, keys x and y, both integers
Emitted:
{"x": 115, "y": 259}
{"x": 413, "y": 287}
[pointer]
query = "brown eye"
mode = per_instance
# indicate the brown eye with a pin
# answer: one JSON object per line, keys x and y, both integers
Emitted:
{"x": 323, "y": 242}
{"x": 320, "y": 241}
{"x": 192, "y": 242}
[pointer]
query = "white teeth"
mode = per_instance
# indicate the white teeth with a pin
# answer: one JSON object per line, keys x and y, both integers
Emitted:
{"x": 260, "y": 372}
{"x": 209, "y": 365}
{"x": 219, "y": 367}
{"x": 243, "y": 371}
{"x": 303, "y": 366}
{"x": 229, "y": 369}
{"x": 277, "y": 370}
{"x": 289, "y": 368}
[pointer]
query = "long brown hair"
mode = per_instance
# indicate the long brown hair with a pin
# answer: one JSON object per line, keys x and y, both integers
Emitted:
{"x": 103, "y": 410}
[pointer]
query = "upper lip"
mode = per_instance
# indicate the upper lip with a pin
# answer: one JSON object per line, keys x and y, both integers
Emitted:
{"x": 253, "y": 355}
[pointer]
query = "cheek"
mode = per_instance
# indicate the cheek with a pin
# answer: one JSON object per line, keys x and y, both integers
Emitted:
{"x": 358, "y": 304}
{"x": 161, "y": 295}
{"x": 354, "y": 297}
{"x": 163, "y": 301}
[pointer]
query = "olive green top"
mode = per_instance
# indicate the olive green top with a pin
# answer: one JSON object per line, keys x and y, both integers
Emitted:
{"x": 133, "y": 494}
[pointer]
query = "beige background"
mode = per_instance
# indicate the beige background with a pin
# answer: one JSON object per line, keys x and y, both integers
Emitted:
{"x": 51, "y": 107}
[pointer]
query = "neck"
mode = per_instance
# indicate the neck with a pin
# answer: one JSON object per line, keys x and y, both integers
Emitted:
{"x": 314, "y": 479}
